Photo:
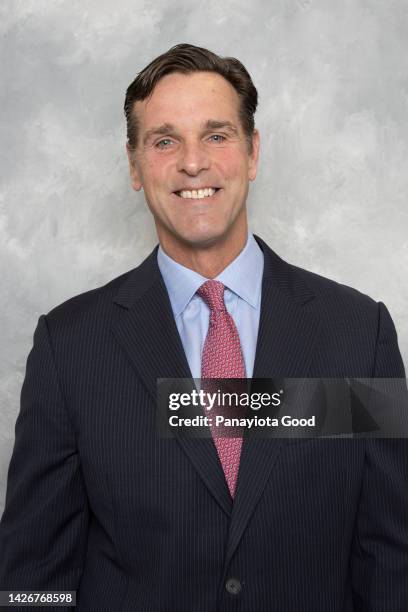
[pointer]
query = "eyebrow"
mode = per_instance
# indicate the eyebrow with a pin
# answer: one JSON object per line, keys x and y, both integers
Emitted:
{"x": 159, "y": 130}
{"x": 212, "y": 124}
{"x": 169, "y": 128}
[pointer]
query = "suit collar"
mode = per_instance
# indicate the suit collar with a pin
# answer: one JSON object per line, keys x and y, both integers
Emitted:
{"x": 237, "y": 277}
{"x": 139, "y": 281}
{"x": 284, "y": 277}
{"x": 145, "y": 325}
{"x": 288, "y": 322}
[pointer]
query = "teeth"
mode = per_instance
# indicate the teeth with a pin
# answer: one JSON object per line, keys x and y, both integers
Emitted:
{"x": 197, "y": 194}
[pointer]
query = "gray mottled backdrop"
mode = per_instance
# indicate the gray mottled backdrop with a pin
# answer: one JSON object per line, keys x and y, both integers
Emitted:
{"x": 332, "y": 190}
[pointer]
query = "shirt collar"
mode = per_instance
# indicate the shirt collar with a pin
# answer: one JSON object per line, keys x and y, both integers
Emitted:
{"x": 243, "y": 276}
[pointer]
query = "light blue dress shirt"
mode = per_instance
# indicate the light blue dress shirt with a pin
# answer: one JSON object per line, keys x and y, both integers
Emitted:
{"x": 243, "y": 284}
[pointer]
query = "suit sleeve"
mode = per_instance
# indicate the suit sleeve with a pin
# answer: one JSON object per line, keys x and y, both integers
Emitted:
{"x": 380, "y": 552}
{"x": 43, "y": 530}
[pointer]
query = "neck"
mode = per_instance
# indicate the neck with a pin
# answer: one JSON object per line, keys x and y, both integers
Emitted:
{"x": 209, "y": 260}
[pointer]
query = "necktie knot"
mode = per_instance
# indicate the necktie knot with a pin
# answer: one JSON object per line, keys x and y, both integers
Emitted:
{"x": 212, "y": 292}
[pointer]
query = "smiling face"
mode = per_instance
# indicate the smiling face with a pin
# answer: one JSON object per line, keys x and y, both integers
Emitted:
{"x": 193, "y": 161}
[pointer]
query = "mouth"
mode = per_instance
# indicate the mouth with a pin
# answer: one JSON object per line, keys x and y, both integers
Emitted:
{"x": 197, "y": 194}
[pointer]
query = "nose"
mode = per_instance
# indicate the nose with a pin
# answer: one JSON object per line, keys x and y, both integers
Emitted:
{"x": 193, "y": 158}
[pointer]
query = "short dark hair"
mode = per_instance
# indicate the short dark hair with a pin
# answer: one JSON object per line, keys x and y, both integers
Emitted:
{"x": 186, "y": 58}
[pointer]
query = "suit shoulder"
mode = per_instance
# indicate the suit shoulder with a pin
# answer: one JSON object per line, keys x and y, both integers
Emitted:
{"x": 327, "y": 289}
{"x": 304, "y": 285}
{"x": 92, "y": 311}
{"x": 91, "y": 303}
{"x": 339, "y": 305}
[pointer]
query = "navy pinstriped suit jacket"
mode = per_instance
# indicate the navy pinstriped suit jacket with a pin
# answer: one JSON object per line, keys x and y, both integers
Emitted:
{"x": 97, "y": 501}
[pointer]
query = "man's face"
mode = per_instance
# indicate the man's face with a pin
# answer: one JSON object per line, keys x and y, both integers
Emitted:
{"x": 193, "y": 161}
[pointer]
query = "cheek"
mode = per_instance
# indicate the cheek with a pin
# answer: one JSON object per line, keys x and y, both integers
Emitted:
{"x": 233, "y": 165}
{"x": 157, "y": 172}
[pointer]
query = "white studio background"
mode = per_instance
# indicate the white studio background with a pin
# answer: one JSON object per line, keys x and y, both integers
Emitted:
{"x": 331, "y": 195}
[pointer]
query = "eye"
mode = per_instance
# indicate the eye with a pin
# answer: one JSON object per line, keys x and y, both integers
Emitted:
{"x": 164, "y": 143}
{"x": 217, "y": 138}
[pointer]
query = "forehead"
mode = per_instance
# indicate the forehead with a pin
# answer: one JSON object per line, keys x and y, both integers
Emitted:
{"x": 188, "y": 99}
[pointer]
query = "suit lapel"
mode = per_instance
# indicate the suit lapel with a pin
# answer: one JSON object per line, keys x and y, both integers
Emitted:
{"x": 145, "y": 328}
{"x": 288, "y": 329}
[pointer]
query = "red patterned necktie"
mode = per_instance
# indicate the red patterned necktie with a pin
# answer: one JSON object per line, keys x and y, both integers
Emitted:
{"x": 222, "y": 358}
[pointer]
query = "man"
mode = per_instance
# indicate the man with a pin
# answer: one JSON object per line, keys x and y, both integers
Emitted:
{"x": 99, "y": 502}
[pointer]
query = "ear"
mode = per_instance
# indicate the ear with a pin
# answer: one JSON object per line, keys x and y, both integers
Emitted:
{"x": 254, "y": 156}
{"x": 135, "y": 178}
